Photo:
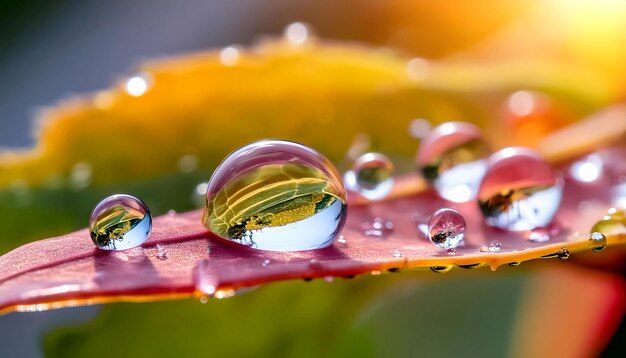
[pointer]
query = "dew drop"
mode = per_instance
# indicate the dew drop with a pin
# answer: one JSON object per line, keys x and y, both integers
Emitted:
{"x": 120, "y": 222}
{"x": 563, "y": 253}
{"x": 514, "y": 263}
{"x": 588, "y": 169}
{"x": 494, "y": 246}
{"x": 342, "y": 240}
{"x": 161, "y": 253}
{"x": 171, "y": 212}
{"x": 608, "y": 226}
{"x": 519, "y": 191}
{"x": 537, "y": 235}
{"x": 597, "y": 241}
{"x": 229, "y": 56}
{"x": 276, "y": 195}
{"x": 453, "y": 158}
{"x": 396, "y": 253}
{"x": 297, "y": 33}
{"x": 440, "y": 269}
{"x": 446, "y": 228}
{"x": 266, "y": 262}
{"x": 204, "y": 299}
{"x": 451, "y": 251}
{"x": 138, "y": 85}
{"x": 418, "y": 69}
{"x": 371, "y": 176}
{"x": 419, "y": 128}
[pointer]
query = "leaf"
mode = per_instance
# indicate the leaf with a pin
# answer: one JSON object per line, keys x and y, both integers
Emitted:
{"x": 68, "y": 270}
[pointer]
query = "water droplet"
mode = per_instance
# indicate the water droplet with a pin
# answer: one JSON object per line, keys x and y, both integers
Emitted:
{"x": 453, "y": 159}
{"x": 441, "y": 269}
{"x": 378, "y": 227}
{"x": 276, "y": 195}
{"x": 418, "y": 69}
{"x": 265, "y": 262}
{"x": 187, "y": 163}
{"x": 519, "y": 191}
{"x": 538, "y": 235}
{"x": 224, "y": 293}
{"x": 396, "y": 253}
{"x": 161, "y": 253}
{"x": 419, "y": 128}
{"x": 120, "y": 222}
{"x": 139, "y": 84}
{"x": 563, "y": 253}
{"x": 587, "y": 169}
{"x": 452, "y": 251}
{"x": 171, "y": 212}
{"x": 375, "y": 273}
{"x": 371, "y": 176}
{"x": 204, "y": 299}
{"x": 446, "y": 228}
{"x": 229, "y": 56}
{"x": 494, "y": 246}
{"x": 616, "y": 214}
{"x": 514, "y": 263}
{"x": 597, "y": 241}
{"x": 297, "y": 33}
{"x": 342, "y": 240}
{"x": 608, "y": 226}
{"x": 81, "y": 175}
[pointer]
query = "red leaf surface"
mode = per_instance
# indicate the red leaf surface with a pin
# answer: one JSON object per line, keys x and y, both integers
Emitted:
{"x": 69, "y": 270}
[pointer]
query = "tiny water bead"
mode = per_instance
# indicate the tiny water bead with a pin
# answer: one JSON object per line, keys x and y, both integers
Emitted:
{"x": 453, "y": 158}
{"x": 371, "y": 176}
{"x": 120, "y": 222}
{"x": 276, "y": 195}
{"x": 446, "y": 228}
{"x": 519, "y": 191}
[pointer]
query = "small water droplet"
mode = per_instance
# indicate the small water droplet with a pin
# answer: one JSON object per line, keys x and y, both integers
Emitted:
{"x": 396, "y": 253}
{"x": 563, "y": 253}
{"x": 161, "y": 252}
{"x": 418, "y": 69}
{"x": 171, "y": 212}
{"x": 537, "y": 235}
{"x": 297, "y": 33}
{"x": 375, "y": 273}
{"x": 187, "y": 163}
{"x": 440, "y": 269}
{"x": 446, "y": 228}
{"x": 453, "y": 158}
{"x": 204, "y": 299}
{"x": 81, "y": 175}
{"x": 229, "y": 56}
{"x": 451, "y": 251}
{"x": 265, "y": 262}
{"x": 120, "y": 222}
{"x": 519, "y": 191}
{"x": 597, "y": 241}
{"x": 139, "y": 84}
{"x": 263, "y": 193}
{"x": 514, "y": 263}
{"x": 419, "y": 128}
{"x": 371, "y": 176}
{"x": 494, "y": 246}
{"x": 224, "y": 293}
{"x": 587, "y": 169}
{"x": 342, "y": 240}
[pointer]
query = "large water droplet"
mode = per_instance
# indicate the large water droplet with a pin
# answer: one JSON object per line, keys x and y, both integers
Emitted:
{"x": 276, "y": 195}
{"x": 120, "y": 222}
{"x": 446, "y": 228}
{"x": 453, "y": 158}
{"x": 371, "y": 176}
{"x": 519, "y": 191}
